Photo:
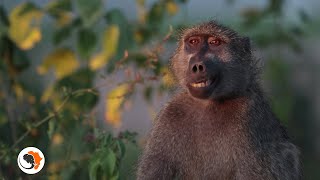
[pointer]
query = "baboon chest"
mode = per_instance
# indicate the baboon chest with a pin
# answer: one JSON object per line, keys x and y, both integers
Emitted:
{"x": 210, "y": 146}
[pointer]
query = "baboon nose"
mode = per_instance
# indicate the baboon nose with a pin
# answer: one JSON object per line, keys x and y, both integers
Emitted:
{"x": 198, "y": 67}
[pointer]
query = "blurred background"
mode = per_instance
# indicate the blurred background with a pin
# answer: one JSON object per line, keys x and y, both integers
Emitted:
{"x": 83, "y": 80}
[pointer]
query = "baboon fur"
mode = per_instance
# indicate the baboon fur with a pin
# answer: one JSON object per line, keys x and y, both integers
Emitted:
{"x": 228, "y": 133}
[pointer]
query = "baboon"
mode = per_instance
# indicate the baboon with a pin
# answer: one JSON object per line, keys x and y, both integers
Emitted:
{"x": 219, "y": 124}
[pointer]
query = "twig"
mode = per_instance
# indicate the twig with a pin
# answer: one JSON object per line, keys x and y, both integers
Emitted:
{"x": 47, "y": 118}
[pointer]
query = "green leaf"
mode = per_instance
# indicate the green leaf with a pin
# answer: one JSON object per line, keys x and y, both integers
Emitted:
{"x": 3, "y": 29}
{"x": 28, "y": 7}
{"x": 104, "y": 159}
{"x": 80, "y": 79}
{"x": 61, "y": 11}
{"x": 3, "y": 16}
{"x": 107, "y": 139}
{"x": 109, "y": 162}
{"x": 62, "y": 34}
{"x": 20, "y": 60}
{"x": 115, "y": 16}
{"x": 65, "y": 31}
{"x": 89, "y": 11}
{"x": 4, "y": 22}
{"x": 122, "y": 148}
{"x": 54, "y": 8}
{"x": 86, "y": 42}
{"x": 115, "y": 177}
{"x": 94, "y": 165}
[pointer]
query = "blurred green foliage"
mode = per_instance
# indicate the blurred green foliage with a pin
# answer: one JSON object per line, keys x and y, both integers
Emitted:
{"x": 59, "y": 117}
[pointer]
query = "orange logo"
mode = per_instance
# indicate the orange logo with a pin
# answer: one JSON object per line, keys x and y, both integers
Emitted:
{"x": 31, "y": 160}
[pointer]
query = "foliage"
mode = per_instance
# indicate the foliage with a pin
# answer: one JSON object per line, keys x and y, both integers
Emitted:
{"x": 58, "y": 116}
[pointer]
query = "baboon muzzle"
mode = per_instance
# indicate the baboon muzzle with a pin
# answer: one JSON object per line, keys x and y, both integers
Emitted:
{"x": 200, "y": 68}
{"x": 201, "y": 77}
{"x": 197, "y": 67}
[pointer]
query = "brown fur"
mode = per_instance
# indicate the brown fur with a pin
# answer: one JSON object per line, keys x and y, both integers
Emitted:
{"x": 232, "y": 134}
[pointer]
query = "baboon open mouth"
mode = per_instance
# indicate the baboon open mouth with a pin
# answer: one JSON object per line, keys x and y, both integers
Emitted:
{"x": 203, "y": 83}
{"x": 203, "y": 87}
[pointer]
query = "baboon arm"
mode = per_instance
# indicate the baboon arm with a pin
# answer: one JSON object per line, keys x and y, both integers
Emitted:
{"x": 154, "y": 167}
{"x": 280, "y": 162}
{"x": 155, "y": 162}
{"x": 286, "y": 164}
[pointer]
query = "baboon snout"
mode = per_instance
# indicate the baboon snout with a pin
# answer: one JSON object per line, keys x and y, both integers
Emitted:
{"x": 198, "y": 67}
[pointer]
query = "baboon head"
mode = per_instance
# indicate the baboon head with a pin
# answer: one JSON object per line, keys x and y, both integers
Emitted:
{"x": 213, "y": 62}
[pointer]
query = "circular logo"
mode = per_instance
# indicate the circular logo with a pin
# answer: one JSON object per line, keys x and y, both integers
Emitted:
{"x": 31, "y": 160}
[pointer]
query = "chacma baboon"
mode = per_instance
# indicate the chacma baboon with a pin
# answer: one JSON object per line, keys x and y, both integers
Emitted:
{"x": 219, "y": 125}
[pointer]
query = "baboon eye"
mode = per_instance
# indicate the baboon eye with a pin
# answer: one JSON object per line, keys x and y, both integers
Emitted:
{"x": 215, "y": 42}
{"x": 194, "y": 41}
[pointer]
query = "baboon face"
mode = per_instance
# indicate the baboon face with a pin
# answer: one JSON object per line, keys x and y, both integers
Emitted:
{"x": 212, "y": 62}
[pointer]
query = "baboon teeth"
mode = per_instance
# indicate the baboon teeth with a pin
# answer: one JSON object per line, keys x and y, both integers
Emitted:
{"x": 201, "y": 84}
